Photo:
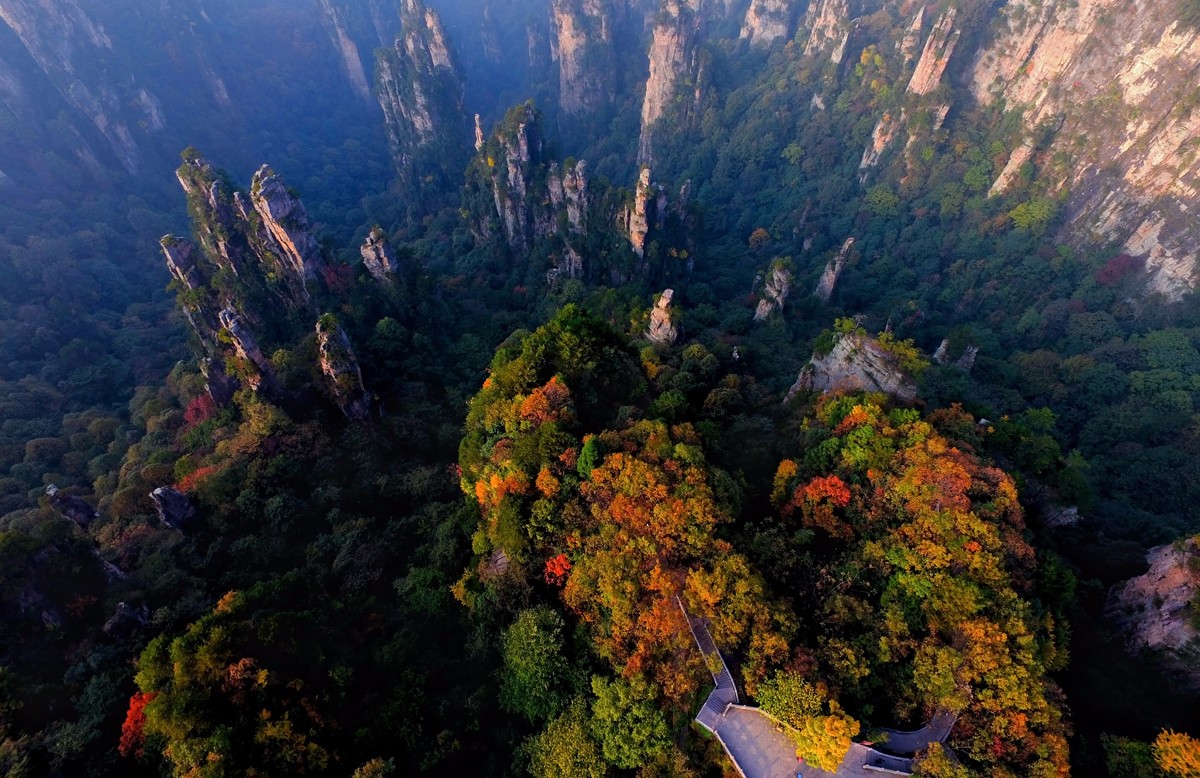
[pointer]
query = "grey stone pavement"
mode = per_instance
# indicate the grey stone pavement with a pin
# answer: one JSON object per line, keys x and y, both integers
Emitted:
{"x": 762, "y": 750}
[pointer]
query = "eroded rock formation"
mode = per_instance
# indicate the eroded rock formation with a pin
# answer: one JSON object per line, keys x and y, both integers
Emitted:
{"x": 174, "y": 508}
{"x": 833, "y": 271}
{"x": 856, "y": 362}
{"x": 421, "y": 93}
{"x": 767, "y": 21}
{"x": 776, "y": 290}
{"x": 663, "y": 330}
{"x": 286, "y": 221}
{"x": 674, "y": 60}
{"x": 378, "y": 257}
{"x": 1115, "y": 77}
{"x": 340, "y": 367}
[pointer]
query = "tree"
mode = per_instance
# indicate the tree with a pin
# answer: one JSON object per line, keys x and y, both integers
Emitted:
{"x": 759, "y": 239}
{"x": 628, "y": 722}
{"x": 535, "y": 673}
{"x": 566, "y": 749}
{"x": 1177, "y": 754}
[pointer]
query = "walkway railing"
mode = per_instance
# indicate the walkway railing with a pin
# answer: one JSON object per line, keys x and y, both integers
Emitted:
{"x": 725, "y": 693}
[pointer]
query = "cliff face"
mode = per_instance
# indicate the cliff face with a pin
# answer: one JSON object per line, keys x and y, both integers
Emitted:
{"x": 828, "y": 23}
{"x": 118, "y": 88}
{"x": 421, "y": 94}
{"x": 67, "y": 44}
{"x": 1116, "y": 82}
{"x": 856, "y": 362}
{"x": 582, "y": 42}
{"x": 352, "y": 61}
{"x": 1155, "y": 609}
{"x": 833, "y": 271}
{"x": 286, "y": 222}
{"x": 767, "y": 21}
{"x": 674, "y": 61}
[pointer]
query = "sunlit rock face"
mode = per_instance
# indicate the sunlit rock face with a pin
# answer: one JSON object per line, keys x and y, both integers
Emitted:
{"x": 663, "y": 331}
{"x": 856, "y": 362}
{"x": 1114, "y": 80}
{"x": 674, "y": 50}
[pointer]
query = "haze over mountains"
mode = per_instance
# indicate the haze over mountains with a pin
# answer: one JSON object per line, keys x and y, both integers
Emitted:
{"x": 389, "y": 432}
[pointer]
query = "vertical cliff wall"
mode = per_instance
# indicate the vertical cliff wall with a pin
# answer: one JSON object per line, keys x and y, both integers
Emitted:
{"x": 1117, "y": 85}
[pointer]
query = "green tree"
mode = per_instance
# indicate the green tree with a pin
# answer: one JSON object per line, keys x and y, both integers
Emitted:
{"x": 535, "y": 673}
{"x": 566, "y": 749}
{"x": 628, "y": 721}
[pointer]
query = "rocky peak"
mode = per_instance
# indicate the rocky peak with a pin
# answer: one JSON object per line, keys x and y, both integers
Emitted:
{"x": 674, "y": 60}
{"x": 637, "y": 216}
{"x": 662, "y": 330}
{"x": 939, "y": 47}
{"x": 833, "y": 271}
{"x": 377, "y": 255}
{"x": 286, "y": 222}
{"x": 532, "y": 199}
{"x": 767, "y": 21}
{"x": 829, "y": 23}
{"x": 421, "y": 93}
{"x": 581, "y": 30}
{"x": 856, "y": 362}
{"x": 340, "y": 368}
{"x": 776, "y": 290}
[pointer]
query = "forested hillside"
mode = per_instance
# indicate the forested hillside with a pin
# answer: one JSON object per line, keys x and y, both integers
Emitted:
{"x": 399, "y": 423}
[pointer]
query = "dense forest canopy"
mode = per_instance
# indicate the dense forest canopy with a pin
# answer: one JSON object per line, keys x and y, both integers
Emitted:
{"x": 493, "y": 350}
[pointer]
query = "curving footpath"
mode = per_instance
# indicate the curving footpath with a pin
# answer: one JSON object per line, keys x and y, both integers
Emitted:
{"x": 759, "y": 748}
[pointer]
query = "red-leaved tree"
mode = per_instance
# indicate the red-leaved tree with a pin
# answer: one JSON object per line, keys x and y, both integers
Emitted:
{"x": 133, "y": 731}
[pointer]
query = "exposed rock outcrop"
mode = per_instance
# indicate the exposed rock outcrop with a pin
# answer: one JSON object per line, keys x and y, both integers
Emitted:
{"x": 532, "y": 199}
{"x": 1156, "y": 608}
{"x": 939, "y": 47}
{"x": 126, "y": 620}
{"x": 335, "y": 22}
{"x": 65, "y": 42}
{"x": 421, "y": 93}
{"x": 1116, "y": 77}
{"x": 74, "y": 508}
{"x": 637, "y": 221}
{"x": 775, "y": 292}
{"x": 378, "y": 257}
{"x": 286, "y": 222}
{"x": 856, "y": 362}
{"x": 340, "y": 368}
{"x": 662, "y": 330}
{"x": 767, "y": 21}
{"x": 174, "y": 508}
{"x": 674, "y": 60}
{"x": 829, "y": 23}
{"x": 965, "y": 360}
{"x": 833, "y": 271}
{"x": 259, "y": 373}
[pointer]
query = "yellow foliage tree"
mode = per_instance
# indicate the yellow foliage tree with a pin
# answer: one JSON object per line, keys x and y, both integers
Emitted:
{"x": 1177, "y": 754}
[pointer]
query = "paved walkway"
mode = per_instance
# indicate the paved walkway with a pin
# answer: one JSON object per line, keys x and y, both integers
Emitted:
{"x": 909, "y": 743}
{"x": 759, "y": 748}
